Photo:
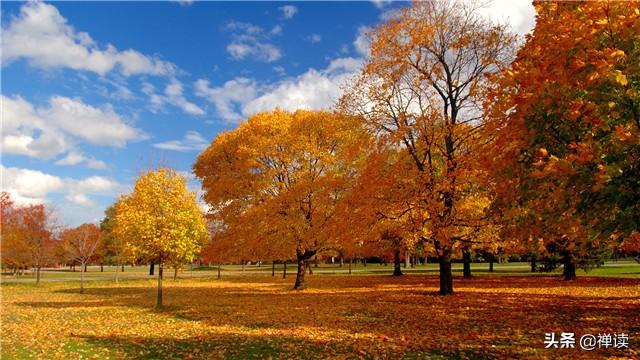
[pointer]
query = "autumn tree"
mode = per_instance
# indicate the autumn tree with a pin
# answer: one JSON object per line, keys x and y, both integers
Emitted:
{"x": 381, "y": 205}
{"x": 15, "y": 252}
{"x": 422, "y": 91}
{"x": 276, "y": 180}
{"x": 26, "y": 235}
{"x": 160, "y": 221}
{"x": 566, "y": 124}
{"x": 80, "y": 244}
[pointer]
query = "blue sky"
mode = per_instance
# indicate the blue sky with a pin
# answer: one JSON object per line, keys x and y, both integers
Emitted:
{"x": 95, "y": 92}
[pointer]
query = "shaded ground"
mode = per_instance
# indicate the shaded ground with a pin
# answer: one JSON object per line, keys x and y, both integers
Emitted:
{"x": 337, "y": 317}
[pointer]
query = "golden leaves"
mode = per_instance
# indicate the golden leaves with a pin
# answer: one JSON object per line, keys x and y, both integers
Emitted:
{"x": 621, "y": 78}
{"x": 160, "y": 219}
{"x": 340, "y": 317}
{"x": 278, "y": 191}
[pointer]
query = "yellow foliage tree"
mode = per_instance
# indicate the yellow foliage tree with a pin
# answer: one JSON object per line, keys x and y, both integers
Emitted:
{"x": 160, "y": 221}
{"x": 275, "y": 182}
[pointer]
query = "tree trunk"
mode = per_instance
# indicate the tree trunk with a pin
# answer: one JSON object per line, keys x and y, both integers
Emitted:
{"x": 308, "y": 265}
{"x": 406, "y": 259}
{"x": 151, "y": 268}
{"x": 273, "y": 269}
{"x": 175, "y": 273}
{"x": 101, "y": 267}
{"x": 300, "y": 284}
{"x": 303, "y": 260}
{"x": 364, "y": 262}
{"x": 284, "y": 270}
{"x": 569, "y": 271}
{"x": 38, "y": 274}
{"x": 82, "y": 279}
{"x": 350, "y": 263}
{"x": 446, "y": 278}
{"x": 159, "y": 298}
{"x": 396, "y": 263}
{"x": 534, "y": 266}
{"x": 466, "y": 268}
{"x": 491, "y": 263}
{"x": 219, "y": 270}
{"x": 341, "y": 261}
{"x": 122, "y": 269}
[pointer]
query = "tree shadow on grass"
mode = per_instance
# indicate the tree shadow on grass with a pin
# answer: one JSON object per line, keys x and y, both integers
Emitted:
{"x": 216, "y": 347}
{"x": 262, "y": 347}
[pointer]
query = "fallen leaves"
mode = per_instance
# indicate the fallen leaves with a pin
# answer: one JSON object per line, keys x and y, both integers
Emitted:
{"x": 337, "y": 317}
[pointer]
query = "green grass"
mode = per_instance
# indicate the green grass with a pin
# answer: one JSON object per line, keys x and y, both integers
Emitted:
{"x": 622, "y": 268}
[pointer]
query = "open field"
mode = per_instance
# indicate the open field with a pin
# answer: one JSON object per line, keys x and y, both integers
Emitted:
{"x": 622, "y": 268}
{"x": 257, "y": 316}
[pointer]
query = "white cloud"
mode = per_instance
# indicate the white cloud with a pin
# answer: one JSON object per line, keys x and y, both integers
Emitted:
{"x": 276, "y": 30}
{"x": 80, "y": 199}
{"x": 226, "y": 97}
{"x": 260, "y": 51}
{"x": 75, "y": 158}
{"x": 314, "y": 89}
{"x": 120, "y": 90}
{"x": 99, "y": 126}
{"x": 362, "y": 41}
{"x": 173, "y": 91}
{"x": 173, "y": 94}
{"x": 314, "y": 38}
{"x": 243, "y": 27}
{"x": 288, "y": 11}
{"x": 192, "y": 141}
{"x": 381, "y": 3}
{"x": 28, "y": 186}
{"x": 520, "y": 15}
{"x": 47, "y": 131}
{"x": 252, "y": 41}
{"x": 94, "y": 185}
{"x": 42, "y": 35}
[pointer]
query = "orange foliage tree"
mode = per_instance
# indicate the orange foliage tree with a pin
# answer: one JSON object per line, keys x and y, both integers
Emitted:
{"x": 274, "y": 183}
{"x": 15, "y": 254}
{"x": 422, "y": 91}
{"x": 26, "y": 235}
{"x": 566, "y": 124}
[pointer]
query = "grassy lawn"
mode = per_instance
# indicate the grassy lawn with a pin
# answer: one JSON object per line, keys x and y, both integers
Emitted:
{"x": 622, "y": 268}
{"x": 257, "y": 316}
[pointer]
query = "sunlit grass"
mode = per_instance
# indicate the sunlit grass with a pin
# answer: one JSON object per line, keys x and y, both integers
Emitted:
{"x": 257, "y": 316}
{"x": 622, "y": 268}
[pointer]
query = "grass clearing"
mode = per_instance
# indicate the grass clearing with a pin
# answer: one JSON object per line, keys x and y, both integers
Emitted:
{"x": 257, "y": 316}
